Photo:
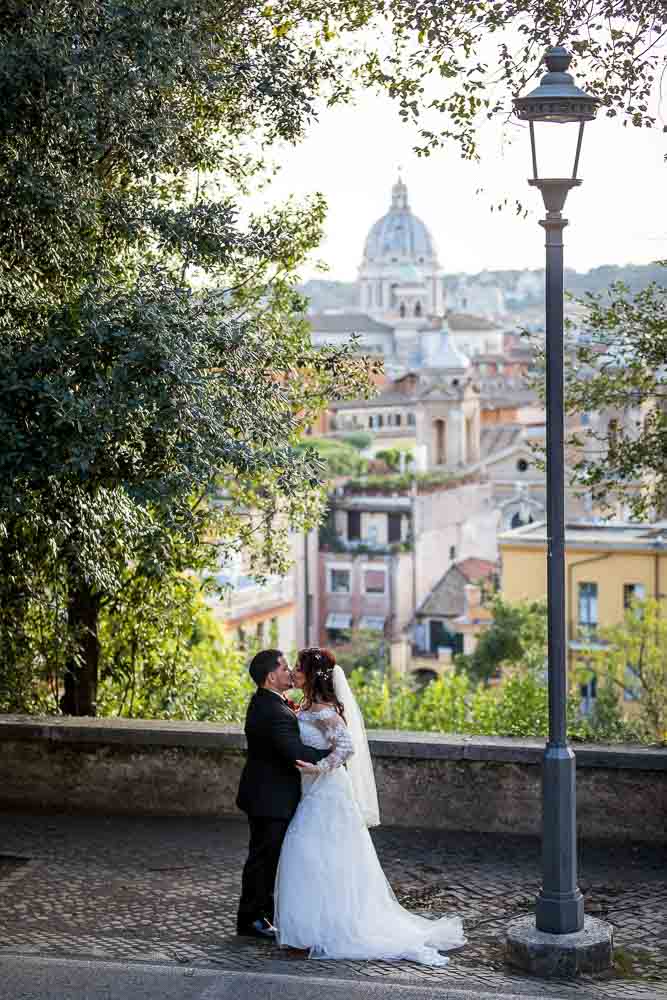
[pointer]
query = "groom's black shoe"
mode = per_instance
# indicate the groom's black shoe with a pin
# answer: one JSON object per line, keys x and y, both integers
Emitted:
{"x": 258, "y": 928}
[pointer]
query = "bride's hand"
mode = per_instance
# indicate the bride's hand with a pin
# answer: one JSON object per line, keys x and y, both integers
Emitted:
{"x": 306, "y": 767}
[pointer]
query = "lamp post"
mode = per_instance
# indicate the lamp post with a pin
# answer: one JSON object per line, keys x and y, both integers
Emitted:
{"x": 560, "y": 907}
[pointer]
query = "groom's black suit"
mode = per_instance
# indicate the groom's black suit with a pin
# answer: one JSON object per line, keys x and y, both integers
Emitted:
{"x": 269, "y": 793}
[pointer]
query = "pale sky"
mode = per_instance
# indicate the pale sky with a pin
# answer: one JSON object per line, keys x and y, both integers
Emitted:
{"x": 352, "y": 155}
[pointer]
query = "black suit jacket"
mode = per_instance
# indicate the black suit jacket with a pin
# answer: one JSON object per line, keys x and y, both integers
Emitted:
{"x": 270, "y": 785}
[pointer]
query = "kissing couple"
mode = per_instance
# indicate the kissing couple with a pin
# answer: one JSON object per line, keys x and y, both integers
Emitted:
{"x": 313, "y": 880}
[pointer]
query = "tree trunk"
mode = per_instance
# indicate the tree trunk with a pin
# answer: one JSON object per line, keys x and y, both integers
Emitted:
{"x": 83, "y": 606}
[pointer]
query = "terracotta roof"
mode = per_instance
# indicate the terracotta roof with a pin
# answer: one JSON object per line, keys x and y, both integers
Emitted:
{"x": 476, "y": 569}
{"x": 447, "y": 599}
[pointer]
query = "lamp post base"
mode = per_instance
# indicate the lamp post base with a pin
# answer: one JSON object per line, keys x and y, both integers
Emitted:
{"x": 563, "y": 956}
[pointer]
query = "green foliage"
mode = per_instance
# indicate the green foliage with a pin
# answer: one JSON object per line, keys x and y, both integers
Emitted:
{"x": 358, "y": 439}
{"x": 338, "y": 458}
{"x": 522, "y": 708}
{"x": 616, "y": 367}
{"x": 384, "y": 704}
{"x": 633, "y": 662}
{"x": 606, "y": 721}
{"x": 517, "y": 707}
{"x": 364, "y": 651}
{"x": 392, "y": 483}
{"x": 156, "y": 371}
{"x": 164, "y": 656}
{"x": 465, "y": 47}
{"x": 392, "y": 457}
{"x": 517, "y": 637}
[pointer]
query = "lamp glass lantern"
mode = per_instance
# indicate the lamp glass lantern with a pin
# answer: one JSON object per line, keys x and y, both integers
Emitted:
{"x": 556, "y": 101}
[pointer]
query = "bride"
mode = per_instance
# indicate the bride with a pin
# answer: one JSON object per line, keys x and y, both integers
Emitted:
{"x": 332, "y": 897}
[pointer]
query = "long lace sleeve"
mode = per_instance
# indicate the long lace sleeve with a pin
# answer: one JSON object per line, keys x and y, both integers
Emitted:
{"x": 340, "y": 740}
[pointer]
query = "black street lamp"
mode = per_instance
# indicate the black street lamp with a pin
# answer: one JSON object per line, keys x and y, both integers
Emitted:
{"x": 560, "y": 905}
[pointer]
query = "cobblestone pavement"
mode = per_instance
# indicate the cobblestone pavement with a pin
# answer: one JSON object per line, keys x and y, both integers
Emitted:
{"x": 166, "y": 890}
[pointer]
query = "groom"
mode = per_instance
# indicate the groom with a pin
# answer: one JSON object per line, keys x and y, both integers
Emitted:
{"x": 270, "y": 787}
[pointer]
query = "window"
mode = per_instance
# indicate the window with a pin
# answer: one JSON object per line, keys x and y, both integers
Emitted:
{"x": 452, "y": 553}
{"x": 339, "y": 581}
{"x": 522, "y": 465}
{"x": 260, "y": 633}
{"x": 394, "y": 533}
{"x": 588, "y": 692}
{"x": 397, "y": 419}
{"x": 338, "y": 627}
{"x": 633, "y": 592}
{"x": 588, "y": 608}
{"x": 240, "y": 638}
{"x": 411, "y": 419}
{"x": 374, "y": 581}
{"x": 353, "y": 525}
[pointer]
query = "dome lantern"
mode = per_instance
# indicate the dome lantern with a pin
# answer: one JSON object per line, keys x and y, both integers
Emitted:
{"x": 399, "y": 195}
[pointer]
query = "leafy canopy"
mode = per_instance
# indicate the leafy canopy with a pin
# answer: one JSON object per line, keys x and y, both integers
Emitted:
{"x": 517, "y": 637}
{"x": 633, "y": 662}
{"x": 616, "y": 373}
{"x": 155, "y": 369}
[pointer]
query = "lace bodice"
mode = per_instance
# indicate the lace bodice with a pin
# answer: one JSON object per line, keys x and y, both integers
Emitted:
{"x": 325, "y": 728}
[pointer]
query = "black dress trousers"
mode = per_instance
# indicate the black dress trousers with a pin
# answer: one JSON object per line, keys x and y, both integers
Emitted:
{"x": 259, "y": 872}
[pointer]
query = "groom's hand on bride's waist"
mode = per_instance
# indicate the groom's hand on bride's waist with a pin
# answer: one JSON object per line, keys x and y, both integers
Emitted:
{"x": 307, "y": 768}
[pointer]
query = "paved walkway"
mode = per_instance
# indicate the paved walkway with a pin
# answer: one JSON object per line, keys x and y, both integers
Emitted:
{"x": 165, "y": 891}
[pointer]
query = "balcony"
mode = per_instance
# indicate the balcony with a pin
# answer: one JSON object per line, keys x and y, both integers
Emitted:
{"x": 330, "y": 541}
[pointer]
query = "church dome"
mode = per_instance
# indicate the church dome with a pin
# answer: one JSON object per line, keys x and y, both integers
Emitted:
{"x": 399, "y": 234}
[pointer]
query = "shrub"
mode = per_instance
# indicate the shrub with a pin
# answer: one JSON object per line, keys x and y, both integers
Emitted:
{"x": 340, "y": 459}
{"x": 360, "y": 440}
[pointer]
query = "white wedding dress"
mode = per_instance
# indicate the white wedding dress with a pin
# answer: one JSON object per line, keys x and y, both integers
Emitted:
{"x": 332, "y": 897}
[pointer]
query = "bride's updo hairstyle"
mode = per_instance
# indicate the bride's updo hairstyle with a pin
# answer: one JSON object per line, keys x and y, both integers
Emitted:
{"x": 317, "y": 666}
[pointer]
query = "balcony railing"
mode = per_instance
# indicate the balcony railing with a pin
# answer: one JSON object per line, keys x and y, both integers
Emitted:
{"x": 336, "y": 543}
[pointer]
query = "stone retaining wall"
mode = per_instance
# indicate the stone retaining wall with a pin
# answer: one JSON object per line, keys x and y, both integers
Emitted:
{"x": 478, "y": 784}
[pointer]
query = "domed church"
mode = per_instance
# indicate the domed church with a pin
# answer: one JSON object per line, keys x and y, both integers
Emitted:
{"x": 402, "y": 298}
{"x": 400, "y": 277}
